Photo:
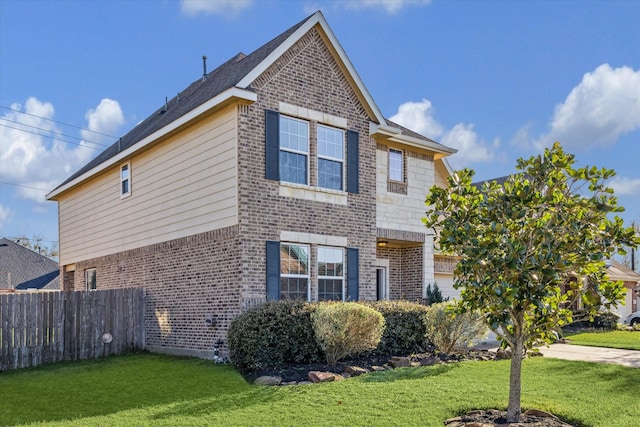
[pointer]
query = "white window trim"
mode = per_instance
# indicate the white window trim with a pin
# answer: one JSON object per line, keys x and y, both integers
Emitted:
{"x": 402, "y": 167}
{"x": 86, "y": 279}
{"x": 344, "y": 266}
{"x": 127, "y": 194}
{"x": 333, "y": 159}
{"x": 291, "y": 150}
{"x": 384, "y": 265}
{"x": 300, "y": 276}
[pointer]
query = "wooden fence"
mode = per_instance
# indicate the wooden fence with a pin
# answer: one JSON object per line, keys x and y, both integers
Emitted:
{"x": 37, "y": 328}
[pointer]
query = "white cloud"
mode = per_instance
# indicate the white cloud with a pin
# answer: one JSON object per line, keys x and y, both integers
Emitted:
{"x": 625, "y": 186}
{"x": 471, "y": 148}
{"x": 604, "y": 106}
{"x": 5, "y": 215}
{"x": 228, "y": 8}
{"x": 419, "y": 117}
{"x": 391, "y": 6}
{"x": 106, "y": 118}
{"x": 37, "y": 158}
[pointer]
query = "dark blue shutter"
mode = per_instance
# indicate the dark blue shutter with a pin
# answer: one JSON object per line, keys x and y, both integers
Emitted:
{"x": 272, "y": 144}
{"x": 273, "y": 270}
{"x": 353, "y": 274}
{"x": 353, "y": 153}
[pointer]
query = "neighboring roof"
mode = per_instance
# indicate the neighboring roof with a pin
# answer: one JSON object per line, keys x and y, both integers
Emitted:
{"x": 22, "y": 269}
{"x": 617, "y": 271}
{"x": 500, "y": 180}
{"x": 237, "y": 73}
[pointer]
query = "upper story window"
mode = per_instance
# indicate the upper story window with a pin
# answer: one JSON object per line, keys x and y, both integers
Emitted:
{"x": 304, "y": 151}
{"x": 396, "y": 165}
{"x": 294, "y": 150}
{"x": 125, "y": 180}
{"x": 330, "y": 157}
{"x": 294, "y": 271}
{"x": 330, "y": 274}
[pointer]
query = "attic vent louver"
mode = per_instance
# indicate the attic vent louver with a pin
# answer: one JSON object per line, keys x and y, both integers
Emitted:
{"x": 204, "y": 67}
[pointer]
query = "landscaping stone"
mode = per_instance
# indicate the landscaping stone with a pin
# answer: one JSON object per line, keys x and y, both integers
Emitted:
{"x": 378, "y": 368}
{"x": 400, "y": 362}
{"x": 428, "y": 361}
{"x": 354, "y": 371}
{"x": 503, "y": 354}
{"x": 268, "y": 380}
{"x": 324, "y": 377}
{"x": 539, "y": 413}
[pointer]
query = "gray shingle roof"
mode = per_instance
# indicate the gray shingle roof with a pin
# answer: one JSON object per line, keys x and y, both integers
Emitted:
{"x": 409, "y": 132}
{"x": 22, "y": 268}
{"x": 200, "y": 91}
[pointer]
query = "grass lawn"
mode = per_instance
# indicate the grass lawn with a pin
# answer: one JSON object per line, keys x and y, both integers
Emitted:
{"x": 612, "y": 339}
{"x": 148, "y": 389}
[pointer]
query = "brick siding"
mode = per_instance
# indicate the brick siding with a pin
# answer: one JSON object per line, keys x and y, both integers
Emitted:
{"x": 185, "y": 279}
{"x": 306, "y": 76}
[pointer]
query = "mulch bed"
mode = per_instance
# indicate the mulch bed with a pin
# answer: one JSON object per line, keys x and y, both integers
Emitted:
{"x": 299, "y": 372}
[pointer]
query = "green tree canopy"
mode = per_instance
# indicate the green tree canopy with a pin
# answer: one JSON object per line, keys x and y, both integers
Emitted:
{"x": 519, "y": 241}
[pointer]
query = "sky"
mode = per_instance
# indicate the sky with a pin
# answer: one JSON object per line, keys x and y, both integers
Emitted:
{"x": 498, "y": 80}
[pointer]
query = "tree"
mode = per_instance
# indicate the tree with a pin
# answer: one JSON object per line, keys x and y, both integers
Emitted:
{"x": 519, "y": 241}
{"x": 632, "y": 258}
{"x": 36, "y": 245}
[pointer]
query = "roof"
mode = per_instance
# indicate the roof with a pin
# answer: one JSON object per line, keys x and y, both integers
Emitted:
{"x": 229, "y": 80}
{"x": 197, "y": 93}
{"x": 428, "y": 141}
{"x": 500, "y": 181}
{"x": 618, "y": 271}
{"x": 22, "y": 269}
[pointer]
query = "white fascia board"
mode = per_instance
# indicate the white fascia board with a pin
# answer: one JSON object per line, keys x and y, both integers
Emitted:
{"x": 316, "y": 18}
{"x": 447, "y": 166}
{"x": 229, "y": 94}
{"x": 394, "y": 134}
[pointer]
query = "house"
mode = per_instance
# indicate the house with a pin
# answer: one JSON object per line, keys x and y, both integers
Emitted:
{"x": 631, "y": 281}
{"x": 273, "y": 176}
{"x": 22, "y": 269}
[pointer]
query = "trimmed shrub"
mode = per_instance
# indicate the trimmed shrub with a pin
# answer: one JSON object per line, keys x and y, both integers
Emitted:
{"x": 604, "y": 319}
{"x": 448, "y": 330}
{"x": 404, "y": 331}
{"x": 346, "y": 328}
{"x": 273, "y": 334}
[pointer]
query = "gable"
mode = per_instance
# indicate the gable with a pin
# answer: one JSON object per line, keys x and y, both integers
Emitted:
{"x": 308, "y": 75}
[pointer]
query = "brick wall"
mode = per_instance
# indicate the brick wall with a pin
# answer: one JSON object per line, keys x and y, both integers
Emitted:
{"x": 306, "y": 76}
{"x": 185, "y": 279}
{"x": 405, "y": 272}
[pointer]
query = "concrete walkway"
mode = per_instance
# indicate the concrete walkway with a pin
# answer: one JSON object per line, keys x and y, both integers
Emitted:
{"x": 592, "y": 354}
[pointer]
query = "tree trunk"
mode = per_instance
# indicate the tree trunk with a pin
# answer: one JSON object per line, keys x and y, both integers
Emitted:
{"x": 517, "y": 352}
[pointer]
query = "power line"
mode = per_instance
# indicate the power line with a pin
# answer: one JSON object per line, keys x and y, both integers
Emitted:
{"x": 39, "y": 134}
{"x": 55, "y": 121}
{"x": 15, "y": 239}
{"x": 48, "y": 131}
{"x": 23, "y": 186}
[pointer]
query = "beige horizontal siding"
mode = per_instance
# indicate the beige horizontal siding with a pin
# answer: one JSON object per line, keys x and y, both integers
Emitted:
{"x": 183, "y": 186}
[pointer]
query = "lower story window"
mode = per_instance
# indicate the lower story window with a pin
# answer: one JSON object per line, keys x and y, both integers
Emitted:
{"x": 294, "y": 271}
{"x": 90, "y": 276}
{"x": 330, "y": 274}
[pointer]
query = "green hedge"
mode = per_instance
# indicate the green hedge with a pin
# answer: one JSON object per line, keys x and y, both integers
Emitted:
{"x": 405, "y": 331}
{"x": 273, "y": 334}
